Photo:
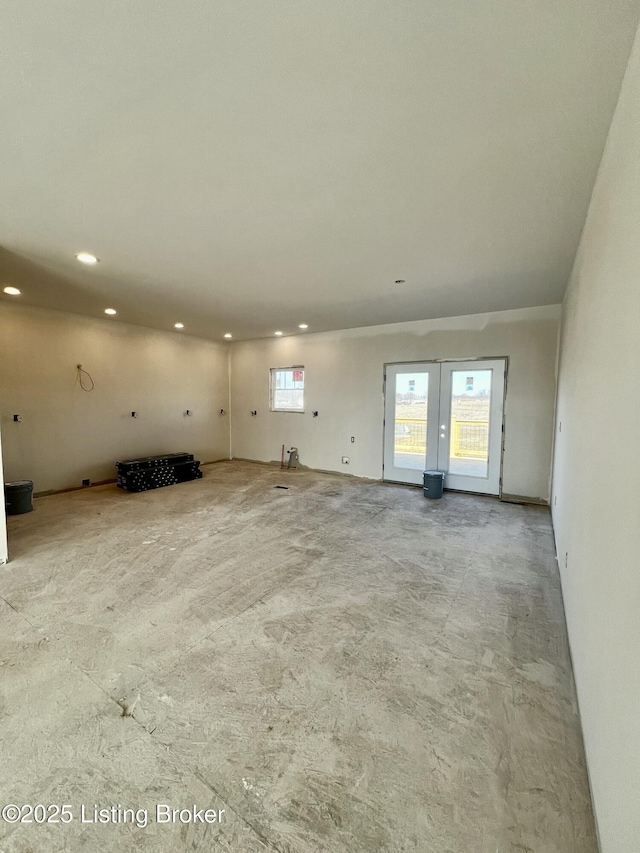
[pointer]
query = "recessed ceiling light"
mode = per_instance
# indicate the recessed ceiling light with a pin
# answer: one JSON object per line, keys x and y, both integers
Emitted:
{"x": 86, "y": 258}
{"x": 110, "y": 311}
{"x": 12, "y": 291}
{"x": 400, "y": 281}
{"x": 178, "y": 325}
{"x": 278, "y": 334}
{"x": 228, "y": 335}
{"x": 303, "y": 326}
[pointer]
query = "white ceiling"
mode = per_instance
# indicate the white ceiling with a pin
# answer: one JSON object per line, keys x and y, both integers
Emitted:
{"x": 247, "y": 165}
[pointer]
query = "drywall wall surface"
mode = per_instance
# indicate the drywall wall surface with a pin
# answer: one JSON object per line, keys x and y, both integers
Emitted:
{"x": 596, "y": 483}
{"x": 344, "y": 383}
{"x": 3, "y": 517}
{"x": 67, "y": 434}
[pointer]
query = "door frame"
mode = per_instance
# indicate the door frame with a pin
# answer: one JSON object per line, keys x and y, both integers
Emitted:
{"x": 439, "y": 361}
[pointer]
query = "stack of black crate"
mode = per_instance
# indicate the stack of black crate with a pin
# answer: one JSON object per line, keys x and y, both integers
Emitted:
{"x": 153, "y": 472}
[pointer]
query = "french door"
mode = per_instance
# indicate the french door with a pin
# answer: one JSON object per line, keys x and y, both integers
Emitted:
{"x": 445, "y": 416}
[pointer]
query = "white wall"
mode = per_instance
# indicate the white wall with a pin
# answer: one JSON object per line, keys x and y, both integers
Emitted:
{"x": 344, "y": 382}
{"x": 597, "y": 476}
{"x": 66, "y": 434}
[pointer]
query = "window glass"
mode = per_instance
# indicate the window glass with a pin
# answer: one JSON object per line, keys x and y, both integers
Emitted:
{"x": 287, "y": 389}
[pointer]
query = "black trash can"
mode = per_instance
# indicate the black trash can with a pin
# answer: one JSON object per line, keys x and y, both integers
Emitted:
{"x": 433, "y": 482}
{"x": 18, "y": 497}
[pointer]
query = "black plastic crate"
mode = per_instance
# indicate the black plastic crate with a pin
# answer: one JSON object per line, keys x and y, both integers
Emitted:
{"x": 157, "y": 477}
{"x": 146, "y": 462}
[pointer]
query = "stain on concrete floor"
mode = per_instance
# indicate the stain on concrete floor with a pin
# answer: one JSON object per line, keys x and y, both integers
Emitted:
{"x": 340, "y": 666}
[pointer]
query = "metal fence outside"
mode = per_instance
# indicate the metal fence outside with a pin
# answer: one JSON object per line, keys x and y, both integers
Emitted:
{"x": 470, "y": 439}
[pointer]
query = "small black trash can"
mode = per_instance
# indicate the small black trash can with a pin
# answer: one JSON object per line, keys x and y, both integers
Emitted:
{"x": 18, "y": 497}
{"x": 433, "y": 482}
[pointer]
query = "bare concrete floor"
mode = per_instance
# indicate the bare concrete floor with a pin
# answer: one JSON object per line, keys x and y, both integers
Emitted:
{"x": 341, "y": 666}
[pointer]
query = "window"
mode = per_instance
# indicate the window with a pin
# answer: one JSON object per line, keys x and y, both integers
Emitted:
{"x": 287, "y": 389}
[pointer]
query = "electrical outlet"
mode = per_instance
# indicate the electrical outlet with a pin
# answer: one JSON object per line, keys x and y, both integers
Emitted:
{"x": 345, "y": 460}
{"x": 86, "y": 482}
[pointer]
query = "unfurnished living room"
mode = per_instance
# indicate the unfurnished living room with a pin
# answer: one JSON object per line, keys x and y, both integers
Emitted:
{"x": 319, "y": 407}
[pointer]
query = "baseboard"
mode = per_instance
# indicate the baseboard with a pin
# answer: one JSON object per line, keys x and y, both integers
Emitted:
{"x": 523, "y": 499}
{"x": 515, "y": 499}
{"x": 108, "y": 482}
{"x": 273, "y": 464}
{"x": 276, "y": 464}
{"x": 49, "y": 492}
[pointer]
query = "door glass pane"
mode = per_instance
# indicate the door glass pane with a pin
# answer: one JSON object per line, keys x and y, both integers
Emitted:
{"x": 410, "y": 444}
{"x": 469, "y": 429}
